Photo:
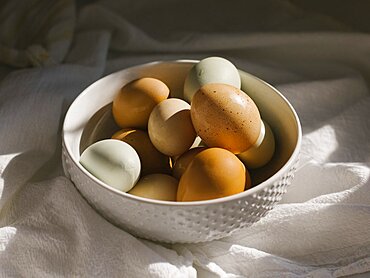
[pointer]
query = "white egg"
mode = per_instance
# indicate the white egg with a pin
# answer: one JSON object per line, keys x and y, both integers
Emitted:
{"x": 113, "y": 162}
{"x": 210, "y": 70}
{"x": 263, "y": 150}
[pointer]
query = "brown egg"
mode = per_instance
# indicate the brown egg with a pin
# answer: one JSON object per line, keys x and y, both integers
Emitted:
{"x": 136, "y": 100}
{"x": 213, "y": 173}
{"x": 184, "y": 160}
{"x": 170, "y": 128}
{"x": 224, "y": 116}
{"x": 248, "y": 180}
{"x": 152, "y": 161}
{"x": 156, "y": 186}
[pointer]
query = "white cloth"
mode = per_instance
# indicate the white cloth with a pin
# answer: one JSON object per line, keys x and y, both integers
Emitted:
{"x": 35, "y": 32}
{"x": 322, "y": 227}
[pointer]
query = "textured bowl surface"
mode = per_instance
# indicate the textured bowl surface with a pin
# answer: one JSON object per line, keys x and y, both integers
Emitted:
{"x": 89, "y": 119}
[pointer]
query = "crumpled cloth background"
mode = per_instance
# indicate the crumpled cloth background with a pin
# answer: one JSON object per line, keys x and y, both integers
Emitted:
{"x": 317, "y": 54}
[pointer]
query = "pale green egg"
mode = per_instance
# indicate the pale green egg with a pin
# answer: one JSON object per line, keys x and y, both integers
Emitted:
{"x": 210, "y": 70}
{"x": 113, "y": 162}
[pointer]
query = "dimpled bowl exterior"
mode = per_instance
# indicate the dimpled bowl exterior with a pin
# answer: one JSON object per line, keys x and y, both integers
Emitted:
{"x": 188, "y": 223}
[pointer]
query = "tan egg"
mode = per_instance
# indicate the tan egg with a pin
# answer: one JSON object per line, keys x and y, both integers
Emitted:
{"x": 170, "y": 128}
{"x": 156, "y": 186}
{"x": 136, "y": 100}
{"x": 259, "y": 155}
{"x": 184, "y": 160}
{"x": 152, "y": 161}
{"x": 224, "y": 116}
{"x": 213, "y": 173}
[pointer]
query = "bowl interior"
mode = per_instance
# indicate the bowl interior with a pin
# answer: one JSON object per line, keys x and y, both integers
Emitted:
{"x": 89, "y": 118}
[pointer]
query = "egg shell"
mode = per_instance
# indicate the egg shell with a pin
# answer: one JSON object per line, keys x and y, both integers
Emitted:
{"x": 135, "y": 101}
{"x": 113, "y": 162}
{"x": 260, "y": 155}
{"x": 184, "y": 160}
{"x": 156, "y": 186}
{"x": 197, "y": 143}
{"x": 210, "y": 70}
{"x": 248, "y": 180}
{"x": 170, "y": 127}
{"x": 213, "y": 173}
{"x": 152, "y": 160}
{"x": 226, "y": 117}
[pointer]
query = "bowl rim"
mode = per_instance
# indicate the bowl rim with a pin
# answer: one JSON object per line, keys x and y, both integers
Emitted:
{"x": 292, "y": 159}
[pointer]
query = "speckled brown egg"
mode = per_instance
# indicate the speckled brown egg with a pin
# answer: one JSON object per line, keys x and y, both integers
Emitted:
{"x": 136, "y": 100}
{"x": 226, "y": 117}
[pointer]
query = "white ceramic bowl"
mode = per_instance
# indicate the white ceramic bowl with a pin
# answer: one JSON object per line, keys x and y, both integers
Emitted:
{"x": 89, "y": 119}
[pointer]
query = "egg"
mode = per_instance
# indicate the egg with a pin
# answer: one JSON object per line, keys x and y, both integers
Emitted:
{"x": 260, "y": 154}
{"x": 213, "y": 173}
{"x": 184, "y": 160}
{"x": 170, "y": 127}
{"x": 136, "y": 100}
{"x": 156, "y": 186}
{"x": 152, "y": 161}
{"x": 113, "y": 162}
{"x": 210, "y": 70}
{"x": 248, "y": 180}
{"x": 226, "y": 117}
{"x": 197, "y": 143}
